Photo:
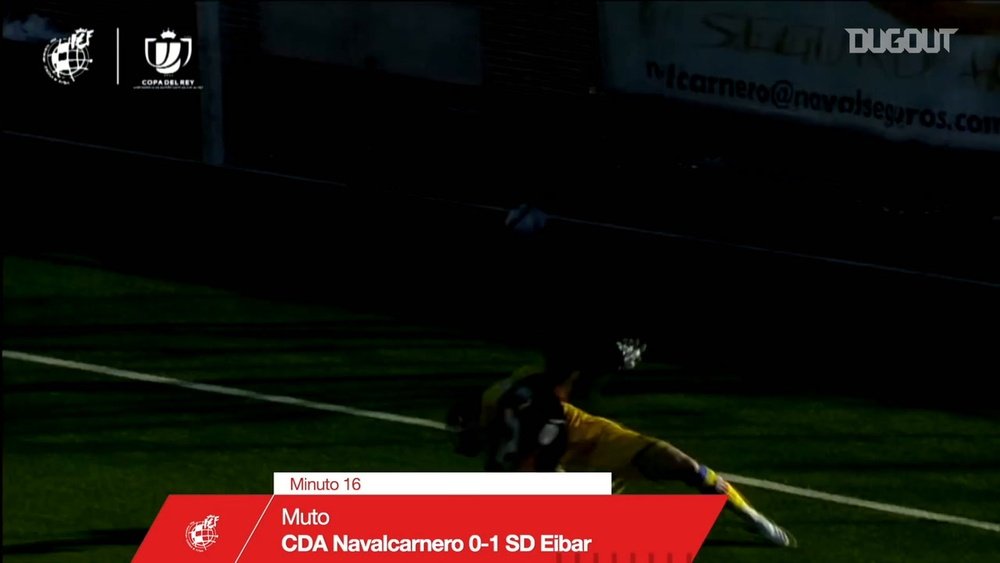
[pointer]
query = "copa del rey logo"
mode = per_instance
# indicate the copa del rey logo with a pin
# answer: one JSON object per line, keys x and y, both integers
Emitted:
{"x": 201, "y": 534}
{"x": 168, "y": 54}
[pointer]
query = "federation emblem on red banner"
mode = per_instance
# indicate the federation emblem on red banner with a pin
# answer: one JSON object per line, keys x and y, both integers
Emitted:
{"x": 201, "y": 534}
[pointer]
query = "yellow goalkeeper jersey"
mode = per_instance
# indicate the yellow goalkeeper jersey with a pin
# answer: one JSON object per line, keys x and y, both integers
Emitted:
{"x": 594, "y": 443}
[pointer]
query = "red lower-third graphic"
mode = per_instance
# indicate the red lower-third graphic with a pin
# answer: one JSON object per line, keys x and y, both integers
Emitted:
{"x": 415, "y": 528}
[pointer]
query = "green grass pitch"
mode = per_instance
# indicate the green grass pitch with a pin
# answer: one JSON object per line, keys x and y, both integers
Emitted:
{"x": 88, "y": 459}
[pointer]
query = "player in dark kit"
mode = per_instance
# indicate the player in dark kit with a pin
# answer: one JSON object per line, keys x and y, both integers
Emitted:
{"x": 527, "y": 423}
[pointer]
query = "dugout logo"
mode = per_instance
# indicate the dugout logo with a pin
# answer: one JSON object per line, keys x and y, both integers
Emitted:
{"x": 897, "y": 40}
{"x": 66, "y": 58}
{"x": 202, "y": 534}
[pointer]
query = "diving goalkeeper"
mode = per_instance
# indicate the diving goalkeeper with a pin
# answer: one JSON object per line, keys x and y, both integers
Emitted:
{"x": 527, "y": 423}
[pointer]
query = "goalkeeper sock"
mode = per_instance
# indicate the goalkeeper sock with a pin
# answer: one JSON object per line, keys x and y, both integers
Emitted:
{"x": 661, "y": 461}
{"x": 712, "y": 483}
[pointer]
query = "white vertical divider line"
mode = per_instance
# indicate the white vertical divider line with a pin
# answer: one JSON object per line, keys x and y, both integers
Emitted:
{"x": 254, "y": 531}
{"x": 118, "y": 56}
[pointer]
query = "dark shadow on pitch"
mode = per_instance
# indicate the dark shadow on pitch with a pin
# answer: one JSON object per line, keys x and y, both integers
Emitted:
{"x": 734, "y": 543}
{"x": 91, "y": 538}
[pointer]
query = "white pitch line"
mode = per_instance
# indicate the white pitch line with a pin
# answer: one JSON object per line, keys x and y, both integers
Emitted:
{"x": 413, "y": 421}
{"x": 221, "y": 390}
{"x": 861, "y": 503}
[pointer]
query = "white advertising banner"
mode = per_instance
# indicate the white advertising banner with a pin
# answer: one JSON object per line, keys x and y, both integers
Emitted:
{"x": 793, "y": 59}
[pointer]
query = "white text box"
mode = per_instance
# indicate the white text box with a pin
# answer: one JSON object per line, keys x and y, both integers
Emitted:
{"x": 557, "y": 483}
